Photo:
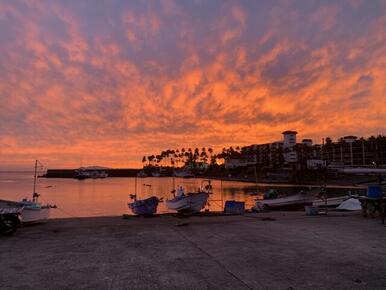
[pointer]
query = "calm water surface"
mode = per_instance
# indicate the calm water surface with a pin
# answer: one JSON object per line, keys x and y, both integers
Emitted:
{"x": 106, "y": 197}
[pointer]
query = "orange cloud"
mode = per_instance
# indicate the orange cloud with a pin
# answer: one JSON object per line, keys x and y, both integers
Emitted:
{"x": 109, "y": 84}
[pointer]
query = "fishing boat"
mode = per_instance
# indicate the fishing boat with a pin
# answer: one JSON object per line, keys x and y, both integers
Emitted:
{"x": 295, "y": 201}
{"x": 147, "y": 206}
{"x": 191, "y": 202}
{"x": 81, "y": 174}
{"x": 84, "y": 173}
{"x": 331, "y": 201}
{"x": 99, "y": 174}
{"x": 144, "y": 207}
{"x": 32, "y": 210}
{"x": 141, "y": 174}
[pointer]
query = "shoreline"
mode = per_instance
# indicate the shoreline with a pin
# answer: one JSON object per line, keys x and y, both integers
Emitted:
{"x": 251, "y": 182}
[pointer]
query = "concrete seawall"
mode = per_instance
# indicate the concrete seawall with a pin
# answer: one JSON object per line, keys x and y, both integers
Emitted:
{"x": 275, "y": 250}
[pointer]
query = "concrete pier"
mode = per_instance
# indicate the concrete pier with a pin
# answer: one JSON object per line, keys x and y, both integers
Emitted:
{"x": 279, "y": 250}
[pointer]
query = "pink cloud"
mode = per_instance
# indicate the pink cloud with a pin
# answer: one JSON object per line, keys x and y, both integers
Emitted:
{"x": 132, "y": 81}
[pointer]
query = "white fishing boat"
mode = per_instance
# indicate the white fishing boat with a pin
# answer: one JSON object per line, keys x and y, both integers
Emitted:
{"x": 99, "y": 174}
{"x": 90, "y": 172}
{"x": 330, "y": 202}
{"x": 295, "y": 201}
{"x": 191, "y": 202}
{"x": 32, "y": 210}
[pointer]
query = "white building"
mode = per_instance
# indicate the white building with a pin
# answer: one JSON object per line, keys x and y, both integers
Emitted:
{"x": 289, "y": 139}
{"x": 235, "y": 162}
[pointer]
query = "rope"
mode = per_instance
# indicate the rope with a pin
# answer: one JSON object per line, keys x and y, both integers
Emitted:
{"x": 67, "y": 213}
{"x": 62, "y": 210}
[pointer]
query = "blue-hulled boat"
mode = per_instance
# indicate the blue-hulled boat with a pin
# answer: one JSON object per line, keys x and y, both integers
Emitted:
{"x": 144, "y": 207}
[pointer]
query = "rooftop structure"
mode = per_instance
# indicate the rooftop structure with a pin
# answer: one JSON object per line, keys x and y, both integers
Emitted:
{"x": 289, "y": 138}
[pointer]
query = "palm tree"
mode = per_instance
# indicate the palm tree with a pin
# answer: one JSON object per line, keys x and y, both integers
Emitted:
{"x": 204, "y": 156}
{"x": 143, "y": 161}
{"x": 210, "y": 151}
{"x": 150, "y": 158}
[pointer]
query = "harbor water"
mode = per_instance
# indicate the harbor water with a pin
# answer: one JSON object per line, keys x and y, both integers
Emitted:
{"x": 109, "y": 196}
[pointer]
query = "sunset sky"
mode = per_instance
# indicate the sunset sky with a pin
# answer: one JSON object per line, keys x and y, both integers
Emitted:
{"x": 106, "y": 82}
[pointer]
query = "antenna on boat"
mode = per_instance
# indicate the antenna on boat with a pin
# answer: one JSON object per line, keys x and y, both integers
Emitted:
{"x": 35, "y": 195}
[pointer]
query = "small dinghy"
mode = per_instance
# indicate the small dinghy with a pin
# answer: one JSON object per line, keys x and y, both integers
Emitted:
{"x": 191, "y": 202}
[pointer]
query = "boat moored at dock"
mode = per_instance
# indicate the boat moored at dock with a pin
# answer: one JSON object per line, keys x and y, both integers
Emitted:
{"x": 90, "y": 172}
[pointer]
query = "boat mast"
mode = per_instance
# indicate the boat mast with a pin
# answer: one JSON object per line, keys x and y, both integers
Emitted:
{"x": 35, "y": 176}
{"x": 135, "y": 191}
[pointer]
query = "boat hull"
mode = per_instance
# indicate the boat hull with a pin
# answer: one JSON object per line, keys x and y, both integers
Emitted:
{"x": 29, "y": 214}
{"x": 293, "y": 202}
{"x": 190, "y": 203}
{"x": 330, "y": 202}
{"x": 144, "y": 206}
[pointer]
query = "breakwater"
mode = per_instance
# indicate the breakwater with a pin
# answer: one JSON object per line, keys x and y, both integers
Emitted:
{"x": 69, "y": 173}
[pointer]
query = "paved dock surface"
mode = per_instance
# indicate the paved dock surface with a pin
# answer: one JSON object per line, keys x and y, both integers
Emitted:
{"x": 280, "y": 250}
